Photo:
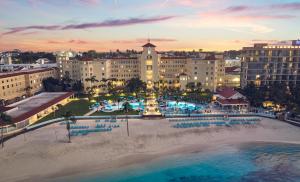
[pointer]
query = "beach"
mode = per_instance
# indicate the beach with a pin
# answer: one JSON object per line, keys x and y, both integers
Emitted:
{"x": 45, "y": 155}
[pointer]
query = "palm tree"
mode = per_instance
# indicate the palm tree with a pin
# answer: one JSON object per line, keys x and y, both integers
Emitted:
{"x": 5, "y": 119}
{"x": 92, "y": 80}
{"x": 91, "y": 92}
{"x": 126, "y": 107}
{"x": 58, "y": 107}
{"x": 118, "y": 100}
{"x": 69, "y": 117}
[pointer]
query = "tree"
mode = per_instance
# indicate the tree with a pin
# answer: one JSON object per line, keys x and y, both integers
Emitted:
{"x": 126, "y": 107}
{"x": 198, "y": 87}
{"x": 52, "y": 85}
{"x": 66, "y": 80}
{"x": 278, "y": 93}
{"x": 135, "y": 85}
{"x": 77, "y": 87}
{"x": 294, "y": 98}
{"x": 92, "y": 80}
{"x": 91, "y": 89}
{"x": 28, "y": 91}
{"x": 191, "y": 86}
{"x": 6, "y": 119}
{"x": 68, "y": 116}
{"x": 252, "y": 93}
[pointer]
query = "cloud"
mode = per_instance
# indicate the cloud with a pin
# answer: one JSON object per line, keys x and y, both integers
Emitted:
{"x": 248, "y": 19}
{"x": 77, "y": 42}
{"x": 73, "y": 41}
{"x": 108, "y": 23}
{"x": 265, "y": 8}
{"x": 38, "y": 27}
{"x": 287, "y": 6}
{"x": 36, "y": 3}
{"x": 233, "y": 9}
{"x": 263, "y": 17}
{"x": 90, "y": 2}
{"x": 115, "y": 23}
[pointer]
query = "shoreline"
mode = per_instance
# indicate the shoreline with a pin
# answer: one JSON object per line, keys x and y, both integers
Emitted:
{"x": 51, "y": 159}
{"x": 133, "y": 160}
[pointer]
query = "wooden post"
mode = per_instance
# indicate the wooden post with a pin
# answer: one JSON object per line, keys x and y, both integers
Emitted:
{"x": 2, "y": 137}
{"x": 127, "y": 126}
{"x": 68, "y": 128}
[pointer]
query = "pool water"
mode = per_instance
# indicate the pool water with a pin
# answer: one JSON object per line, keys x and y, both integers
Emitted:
{"x": 183, "y": 105}
{"x": 137, "y": 105}
{"x": 259, "y": 162}
{"x": 134, "y": 106}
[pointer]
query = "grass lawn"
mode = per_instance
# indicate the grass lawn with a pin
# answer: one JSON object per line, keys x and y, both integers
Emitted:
{"x": 100, "y": 113}
{"x": 77, "y": 107}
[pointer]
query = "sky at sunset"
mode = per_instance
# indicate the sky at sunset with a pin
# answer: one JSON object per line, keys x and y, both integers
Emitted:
{"x": 103, "y": 25}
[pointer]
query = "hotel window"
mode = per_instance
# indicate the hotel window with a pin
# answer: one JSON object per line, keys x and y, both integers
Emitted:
{"x": 149, "y": 67}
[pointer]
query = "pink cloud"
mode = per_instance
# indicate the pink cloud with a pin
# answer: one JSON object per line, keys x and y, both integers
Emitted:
{"x": 108, "y": 23}
{"x": 73, "y": 41}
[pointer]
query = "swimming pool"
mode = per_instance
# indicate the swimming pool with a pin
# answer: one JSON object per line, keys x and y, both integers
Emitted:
{"x": 183, "y": 105}
{"x": 114, "y": 107}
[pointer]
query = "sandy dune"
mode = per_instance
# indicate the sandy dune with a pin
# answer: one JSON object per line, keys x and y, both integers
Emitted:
{"x": 44, "y": 154}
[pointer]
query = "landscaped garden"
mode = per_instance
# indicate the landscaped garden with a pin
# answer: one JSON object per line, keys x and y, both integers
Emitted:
{"x": 119, "y": 112}
{"x": 77, "y": 106}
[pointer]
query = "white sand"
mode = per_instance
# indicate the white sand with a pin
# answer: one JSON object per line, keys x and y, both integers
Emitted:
{"x": 45, "y": 154}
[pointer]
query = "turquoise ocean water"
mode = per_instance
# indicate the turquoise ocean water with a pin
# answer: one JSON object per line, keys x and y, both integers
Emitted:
{"x": 259, "y": 162}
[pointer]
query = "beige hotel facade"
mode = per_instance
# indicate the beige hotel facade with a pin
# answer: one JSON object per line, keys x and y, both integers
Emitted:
{"x": 24, "y": 82}
{"x": 150, "y": 66}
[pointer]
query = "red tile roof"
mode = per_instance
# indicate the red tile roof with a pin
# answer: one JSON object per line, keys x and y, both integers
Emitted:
{"x": 3, "y": 108}
{"x": 36, "y": 110}
{"x": 149, "y": 45}
{"x": 174, "y": 57}
{"x": 227, "y": 92}
{"x": 123, "y": 58}
{"x": 24, "y": 72}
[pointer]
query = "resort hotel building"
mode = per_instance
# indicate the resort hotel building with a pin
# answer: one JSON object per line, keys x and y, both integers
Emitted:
{"x": 265, "y": 64}
{"x": 161, "y": 69}
{"x": 23, "y": 83}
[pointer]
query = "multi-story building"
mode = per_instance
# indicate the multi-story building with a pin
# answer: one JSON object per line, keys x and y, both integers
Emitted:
{"x": 265, "y": 64}
{"x": 150, "y": 66}
{"x": 25, "y": 82}
{"x": 232, "y": 76}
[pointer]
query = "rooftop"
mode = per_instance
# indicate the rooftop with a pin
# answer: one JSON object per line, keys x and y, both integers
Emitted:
{"x": 22, "y": 72}
{"x": 24, "y": 109}
{"x": 149, "y": 45}
{"x": 227, "y": 92}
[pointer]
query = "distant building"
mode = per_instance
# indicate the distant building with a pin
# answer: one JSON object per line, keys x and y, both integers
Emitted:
{"x": 232, "y": 76}
{"x": 232, "y": 62}
{"x": 6, "y": 59}
{"x": 24, "y": 82}
{"x": 43, "y": 61}
{"x": 160, "y": 69}
{"x": 265, "y": 64}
